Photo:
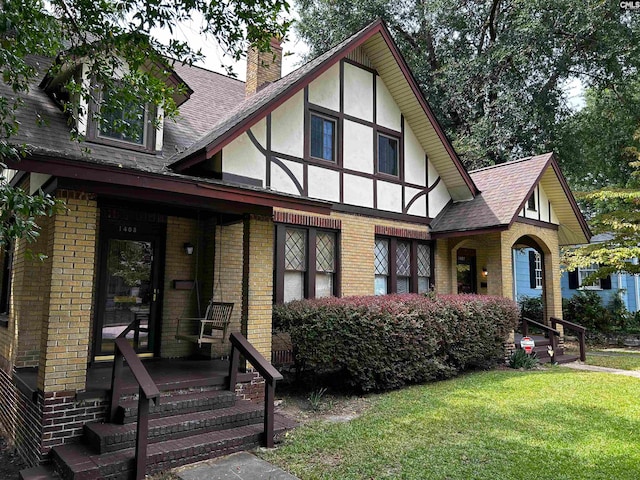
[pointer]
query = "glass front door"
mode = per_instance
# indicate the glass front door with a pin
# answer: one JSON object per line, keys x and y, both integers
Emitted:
{"x": 466, "y": 270}
{"x": 128, "y": 295}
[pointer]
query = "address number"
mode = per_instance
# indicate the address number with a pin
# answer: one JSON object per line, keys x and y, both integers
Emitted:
{"x": 127, "y": 229}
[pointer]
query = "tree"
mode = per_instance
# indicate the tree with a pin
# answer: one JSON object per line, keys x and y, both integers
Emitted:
{"x": 109, "y": 33}
{"x": 616, "y": 212}
{"x": 593, "y": 144}
{"x": 493, "y": 70}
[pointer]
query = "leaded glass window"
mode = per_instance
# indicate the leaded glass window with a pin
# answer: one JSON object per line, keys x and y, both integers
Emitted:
{"x": 403, "y": 266}
{"x": 325, "y": 263}
{"x": 381, "y": 261}
{"x": 387, "y": 155}
{"x": 424, "y": 267}
{"x": 295, "y": 263}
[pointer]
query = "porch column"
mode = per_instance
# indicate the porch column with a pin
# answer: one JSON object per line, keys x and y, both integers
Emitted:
{"x": 67, "y": 307}
{"x": 257, "y": 282}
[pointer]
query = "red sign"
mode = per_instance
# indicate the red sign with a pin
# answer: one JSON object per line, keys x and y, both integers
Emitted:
{"x": 527, "y": 344}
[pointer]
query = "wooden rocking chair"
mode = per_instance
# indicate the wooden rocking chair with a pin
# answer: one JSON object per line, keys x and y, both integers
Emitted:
{"x": 200, "y": 330}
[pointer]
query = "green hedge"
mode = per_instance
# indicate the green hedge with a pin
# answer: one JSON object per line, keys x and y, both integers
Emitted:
{"x": 381, "y": 343}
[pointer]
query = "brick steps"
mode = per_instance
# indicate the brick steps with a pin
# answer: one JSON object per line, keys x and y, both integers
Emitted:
{"x": 184, "y": 403}
{"x": 42, "y": 472}
{"x": 78, "y": 462}
{"x": 108, "y": 437}
{"x": 542, "y": 352}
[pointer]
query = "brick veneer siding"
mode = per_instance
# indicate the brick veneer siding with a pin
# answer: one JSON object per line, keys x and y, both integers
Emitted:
{"x": 227, "y": 278}
{"x": 257, "y": 282}
{"x": 68, "y": 304}
{"x": 178, "y": 303}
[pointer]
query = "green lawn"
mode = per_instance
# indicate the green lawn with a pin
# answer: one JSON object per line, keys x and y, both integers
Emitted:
{"x": 621, "y": 360}
{"x": 550, "y": 424}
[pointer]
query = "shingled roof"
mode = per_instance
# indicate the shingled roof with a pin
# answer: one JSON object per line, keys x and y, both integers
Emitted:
{"x": 504, "y": 190}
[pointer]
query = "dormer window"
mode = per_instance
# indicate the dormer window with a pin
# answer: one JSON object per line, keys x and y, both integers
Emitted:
{"x": 122, "y": 123}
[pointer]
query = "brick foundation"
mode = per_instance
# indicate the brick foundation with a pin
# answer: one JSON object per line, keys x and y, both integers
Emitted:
{"x": 253, "y": 390}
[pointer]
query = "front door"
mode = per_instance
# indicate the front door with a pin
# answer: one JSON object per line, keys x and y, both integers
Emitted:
{"x": 129, "y": 288}
{"x": 466, "y": 270}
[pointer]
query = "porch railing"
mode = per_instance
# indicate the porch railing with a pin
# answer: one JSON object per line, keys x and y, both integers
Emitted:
{"x": 552, "y": 332}
{"x": 240, "y": 345}
{"x": 147, "y": 391}
{"x": 579, "y": 329}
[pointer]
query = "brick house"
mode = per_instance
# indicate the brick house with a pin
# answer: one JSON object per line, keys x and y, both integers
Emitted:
{"x": 340, "y": 164}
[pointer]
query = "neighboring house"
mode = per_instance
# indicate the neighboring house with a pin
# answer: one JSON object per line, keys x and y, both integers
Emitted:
{"x": 334, "y": 180}
{"x": 626, "y": 286}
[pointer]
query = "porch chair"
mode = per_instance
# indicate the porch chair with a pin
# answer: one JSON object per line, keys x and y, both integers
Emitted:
{"x": 216, "y": 317}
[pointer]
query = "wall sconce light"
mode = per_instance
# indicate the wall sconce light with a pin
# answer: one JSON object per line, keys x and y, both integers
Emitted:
{"x": 484, "y": 271}
{"x": 188, "y": 248}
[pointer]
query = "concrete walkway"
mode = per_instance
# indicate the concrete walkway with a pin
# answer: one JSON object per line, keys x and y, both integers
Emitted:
{"x": 594, "y": 368}
{"x": 239, "y": 466}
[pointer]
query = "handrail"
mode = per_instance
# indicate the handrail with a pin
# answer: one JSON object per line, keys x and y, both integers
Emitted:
{"x": 577, "y": 328}
{"x": 147, "y": 391}
{"x": 553, "y": 333}
{"x": 239, "y": 345}
{"x": 135, "y": 327}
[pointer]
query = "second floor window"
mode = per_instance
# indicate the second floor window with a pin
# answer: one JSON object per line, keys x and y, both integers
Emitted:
{"x": 323, "y": 138}
{"x": 387, "y": 155}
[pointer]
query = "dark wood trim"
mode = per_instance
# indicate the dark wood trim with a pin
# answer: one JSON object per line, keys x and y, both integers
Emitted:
{"x": 426, "y": 180}
{"x": 331, "y": 116}
{"x": 157, "y": 186}
{"x": 426, "y": 192}
{"x": 241, "y": 179}
{"x": 392, "y": 285}
{"x": 301, "y": 190}
{"x": 279, "y": 263}
{"x": 359, "y": 65}
{"x": 256, "y": 143}
{"x": 537, "y": 223}
{"x": 18, "y": 178}
{"x": 392, "y": 278}
{"x": 268, "y": 154}
{"x": 310, "y": 284}
{"x": 401, "y": 165}
{"x": 372, "y": 212}
{"x": 413, "y": 283}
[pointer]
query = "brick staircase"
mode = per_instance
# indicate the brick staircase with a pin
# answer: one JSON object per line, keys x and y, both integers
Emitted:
{"x": 186, "y": 426}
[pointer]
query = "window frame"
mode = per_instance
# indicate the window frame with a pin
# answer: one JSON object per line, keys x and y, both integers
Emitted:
{"x": 584, "y": 272}
{"x": 392, "y": 277}
{"x": 532, "y": 205}
{"x": 537, "y": 270}
{"x": 395, "y": 138}
{"x": 94, "y": 135}
{"x": 334, "y": 150}
{"x": 311, "y": 271}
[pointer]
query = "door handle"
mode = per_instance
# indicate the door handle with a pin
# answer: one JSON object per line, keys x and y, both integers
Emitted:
{"x": 155, "y": 294}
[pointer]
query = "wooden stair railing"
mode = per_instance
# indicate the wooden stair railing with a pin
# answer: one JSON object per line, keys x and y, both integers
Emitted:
{"x": 579, "y": 329}
{"x": 240, "y": 345}
{"x": 147, "y": 391}
{"x": 553, "y": 333}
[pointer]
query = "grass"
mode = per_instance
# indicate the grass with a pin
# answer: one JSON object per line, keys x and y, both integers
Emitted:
{"x": 621, "y": 360}
{"x": 554, "y": 424}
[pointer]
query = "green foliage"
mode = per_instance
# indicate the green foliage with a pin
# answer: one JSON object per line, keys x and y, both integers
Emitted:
{"x": 531, "y": 308}
{"x": 585, "y": 308}
{"x": 520, "y": 359}
{"x": 107, "y": 35}
{"x": 380, "y": 343}
{"x": 493, "y": 71}
{"x": 316, "y": 398}
{"x": 593, "y": 144}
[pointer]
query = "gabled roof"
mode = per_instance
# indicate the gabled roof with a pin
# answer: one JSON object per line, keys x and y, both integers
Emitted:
{"x": 385, "y": 57}
{"x": 505, "y": 189}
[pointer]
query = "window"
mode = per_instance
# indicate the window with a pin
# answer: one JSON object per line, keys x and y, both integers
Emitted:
{"x": 401, "y": 266}
{"x": 584, "y": 272}
{"x": 323, "y": 138}
{"x": 5, "y": 287}
{"x": 387, "y": 155}
{"x": 531, "y": 203}
{"x": 124, "y": 123}
{"x": 538, "y": 269}
{"x": 298, "y": 250}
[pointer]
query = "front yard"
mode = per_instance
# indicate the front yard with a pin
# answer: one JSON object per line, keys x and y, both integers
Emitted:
{"x": 552, "y": 424}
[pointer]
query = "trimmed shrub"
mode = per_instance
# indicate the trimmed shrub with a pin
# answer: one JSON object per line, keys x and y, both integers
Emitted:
{"x": 381, "y": 343}
{"x": 585, "y": 308}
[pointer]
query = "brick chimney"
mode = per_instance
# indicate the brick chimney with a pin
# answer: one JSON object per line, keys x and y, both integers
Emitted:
{"x": 263, "y": 68}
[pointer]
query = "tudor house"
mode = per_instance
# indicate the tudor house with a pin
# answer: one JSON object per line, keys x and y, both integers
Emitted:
{"x": 336, "y": 179}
